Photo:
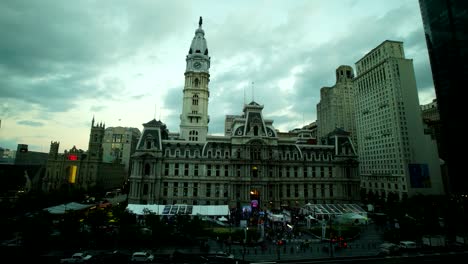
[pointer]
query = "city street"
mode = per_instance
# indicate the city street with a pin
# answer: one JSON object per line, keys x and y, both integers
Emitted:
{"x": 365, "y": 245}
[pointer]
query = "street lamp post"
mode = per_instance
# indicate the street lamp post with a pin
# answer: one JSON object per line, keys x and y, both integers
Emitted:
{"x": 245, "y": 241}
{"x": 331, "y": 242}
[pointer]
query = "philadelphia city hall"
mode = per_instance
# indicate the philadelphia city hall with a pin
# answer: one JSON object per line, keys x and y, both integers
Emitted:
{"x": 252, "y": 164}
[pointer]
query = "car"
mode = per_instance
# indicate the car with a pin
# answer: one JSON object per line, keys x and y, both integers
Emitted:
{"x": 388, "y": 249}
{"x": 142, "y": 256}
{"x": 79, "y": 257}
{"x": 408, "y": 245}
{"x": 221, "y": 254}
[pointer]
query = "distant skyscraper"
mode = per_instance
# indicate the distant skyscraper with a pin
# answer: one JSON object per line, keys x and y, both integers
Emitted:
{"x": 394, "y": 154}
{"x": 119, "y": 144}
{"x": 336, "y": 106}
{"x": 445, "y": 23}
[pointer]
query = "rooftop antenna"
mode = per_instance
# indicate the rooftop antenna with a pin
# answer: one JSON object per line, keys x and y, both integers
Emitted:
{"x": 154, "y": 111}
{"x": 303, "y": 123}
{"x": 244, "y": 95}
{"x": 253, "y": 97}
{"x": 159, "y": 113}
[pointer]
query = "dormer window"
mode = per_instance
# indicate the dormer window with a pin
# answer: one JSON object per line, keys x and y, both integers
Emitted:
{"x": 148, "y": 144}
{"x": 255, "y": 130}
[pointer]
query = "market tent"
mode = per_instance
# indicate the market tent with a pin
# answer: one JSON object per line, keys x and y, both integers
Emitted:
{"x": 321, "y": 210}
{"x": 141, "y": 209}
{"x": 210, "y": 210}
{"x": 352, "y": 218}
{"x": 62, "y": 208}
{"x": 181, "y": 209}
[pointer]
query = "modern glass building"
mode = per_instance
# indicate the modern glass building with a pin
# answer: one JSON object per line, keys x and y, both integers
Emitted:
{"x": 445, "y": 25}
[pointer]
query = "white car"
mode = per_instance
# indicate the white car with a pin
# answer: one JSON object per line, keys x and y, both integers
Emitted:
{"x": 221, "y": 254}
{"x": 408, "y": 245}
{"x": 142, "y": 256}
{"x": 388, "y": 249}
{"x": 80, "y": 257}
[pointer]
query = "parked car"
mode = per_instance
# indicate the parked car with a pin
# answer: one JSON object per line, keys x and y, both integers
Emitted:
{"x": 142, "y": 256}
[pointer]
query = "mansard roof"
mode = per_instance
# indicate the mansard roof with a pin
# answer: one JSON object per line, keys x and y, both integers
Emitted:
{"x": 254, "y": 103}
{"x": 154, "y": 123}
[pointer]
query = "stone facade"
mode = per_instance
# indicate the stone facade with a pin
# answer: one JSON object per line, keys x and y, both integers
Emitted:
{"x": 252, "y": 164}
{"x": 336, "y": 107}
{"x": 80, "y": 169}
{"x": 394, "y": 154}
{"x": 119, "y": 144}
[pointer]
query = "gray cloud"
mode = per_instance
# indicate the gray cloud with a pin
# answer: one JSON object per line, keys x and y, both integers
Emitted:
{"x": 30, "y": 123}
{"x": 97, "y": 108}
{"x": 54, "y": 51}
{"x": 260, "y": 54}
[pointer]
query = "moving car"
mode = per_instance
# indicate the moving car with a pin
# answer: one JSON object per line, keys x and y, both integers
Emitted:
{"x": 142, "y": 256}
{"x": 389, "y": 249}
{"x": 408, "y": 245}
{"x": 79, "y": 257}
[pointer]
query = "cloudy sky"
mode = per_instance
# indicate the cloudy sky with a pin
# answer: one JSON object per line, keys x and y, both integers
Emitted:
{"x": 63, "y": 62}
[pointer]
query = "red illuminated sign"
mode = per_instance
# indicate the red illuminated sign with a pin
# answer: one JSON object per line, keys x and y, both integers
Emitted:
{"x": 72, "y": 157}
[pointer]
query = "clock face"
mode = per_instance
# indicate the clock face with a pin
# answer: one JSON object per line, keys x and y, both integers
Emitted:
{"x": 197, "y": 65}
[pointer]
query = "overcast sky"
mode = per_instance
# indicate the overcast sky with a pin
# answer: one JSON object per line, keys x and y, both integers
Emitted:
{"x": 61, "y": 62}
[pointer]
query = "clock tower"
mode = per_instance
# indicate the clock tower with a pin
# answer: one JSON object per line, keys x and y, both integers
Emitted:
{"x": 194, "y": 118}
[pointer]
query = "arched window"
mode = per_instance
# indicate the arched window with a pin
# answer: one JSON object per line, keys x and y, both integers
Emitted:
{"x": 148, "y": 144}
{"x": 195, "y": 99}
{"x": 196, "y": 82}
{"x": 147, "y": 169}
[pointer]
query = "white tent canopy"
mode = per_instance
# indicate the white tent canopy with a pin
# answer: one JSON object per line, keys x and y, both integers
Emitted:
{"x": 205, "y": 210}
{"x": 352, "y": 218}
{"x": 62, "y": 208}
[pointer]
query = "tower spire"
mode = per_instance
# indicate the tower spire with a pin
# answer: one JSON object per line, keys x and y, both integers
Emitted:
{"x": 200, "y": 22}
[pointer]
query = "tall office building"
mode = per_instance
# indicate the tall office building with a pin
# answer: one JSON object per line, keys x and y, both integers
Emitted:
{"x": 119, "y": 143}
{"x": 336, "y": 106}
{"x": 394, "y": 154}
{"x": 445, "y": 23}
